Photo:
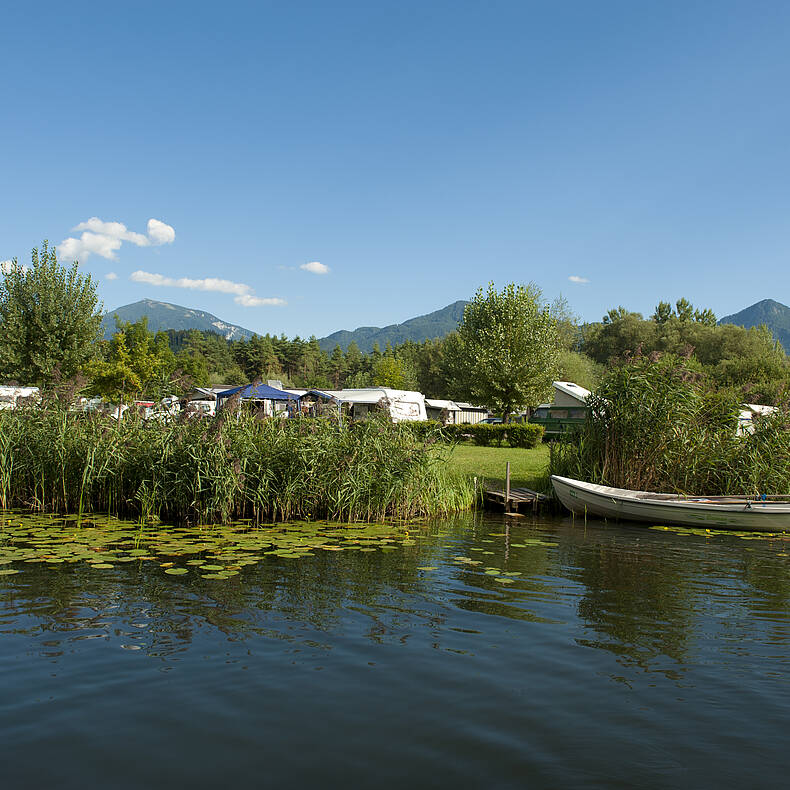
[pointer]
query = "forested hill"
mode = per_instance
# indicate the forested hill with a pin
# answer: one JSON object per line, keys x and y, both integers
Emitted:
{"x": 423, "y": 327}
{"x": 163, "y": 316}
{"x": 774, "y": 315}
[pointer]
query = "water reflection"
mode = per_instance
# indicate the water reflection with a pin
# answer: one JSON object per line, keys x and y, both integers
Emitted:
{"x": 640, "y": 595}
{"x": 509, "y": 631}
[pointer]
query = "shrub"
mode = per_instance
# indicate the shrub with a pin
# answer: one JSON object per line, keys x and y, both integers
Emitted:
{"x": 456, "y": 433}
{"x": 660, "y": 425}
{"x": 483, "y": 434}
{"x": 423, "y": 430}
{"x": 523, "y": 434}
{"x": 515, "y": 434}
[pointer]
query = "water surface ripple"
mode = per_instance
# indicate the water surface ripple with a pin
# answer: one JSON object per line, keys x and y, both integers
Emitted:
{"x": 480, "y": 652}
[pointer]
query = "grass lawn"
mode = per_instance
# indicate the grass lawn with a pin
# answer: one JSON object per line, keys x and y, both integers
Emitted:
{"x": 527, "y": 467}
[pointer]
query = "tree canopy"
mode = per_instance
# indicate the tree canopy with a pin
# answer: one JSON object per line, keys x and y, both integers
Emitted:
{"x": 50, "y": 317}
{"x": 505, "y": 351}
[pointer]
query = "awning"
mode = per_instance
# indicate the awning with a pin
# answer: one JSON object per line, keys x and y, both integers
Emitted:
{"x": 261, "y": 392}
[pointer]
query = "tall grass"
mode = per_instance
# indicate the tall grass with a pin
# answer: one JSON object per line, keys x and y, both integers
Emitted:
{"x": 217, "y": 470}
{"x": 659, "y": 425}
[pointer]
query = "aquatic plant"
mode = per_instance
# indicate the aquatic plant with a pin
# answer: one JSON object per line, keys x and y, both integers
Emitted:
{"x": 660, "y": 425}
{"x": 221, "y": 469}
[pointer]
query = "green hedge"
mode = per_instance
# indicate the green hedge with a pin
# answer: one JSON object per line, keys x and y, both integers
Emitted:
{"x": 523, "y": 434}
{"x": 426, "y": 429}
{"x": 515, "y": 434}
{"x": 435, "y": 431}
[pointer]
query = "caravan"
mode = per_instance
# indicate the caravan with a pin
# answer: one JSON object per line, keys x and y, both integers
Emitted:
{"x": 567, "y": 412}
{"x": 403, "y": 405}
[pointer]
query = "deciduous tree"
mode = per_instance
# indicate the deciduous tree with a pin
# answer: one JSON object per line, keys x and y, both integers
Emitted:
{"x": 50, "y": 318}
{"x": 504, "y": 354}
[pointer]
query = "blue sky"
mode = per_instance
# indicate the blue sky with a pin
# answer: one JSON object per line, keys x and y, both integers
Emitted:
{"x": 416, "y": 150}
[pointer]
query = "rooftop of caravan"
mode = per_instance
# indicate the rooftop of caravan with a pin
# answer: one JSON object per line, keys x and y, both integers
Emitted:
{"x": 571, "y": 390}
{"x": 435, "y": 403}
{"x": 371, "y": 395}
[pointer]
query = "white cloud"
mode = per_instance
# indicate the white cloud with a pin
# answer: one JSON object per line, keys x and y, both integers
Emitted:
{"x": 160, "y": 233}
{"x": 206, "y": 284}
{"x": 247, "y": 300}
{"x": 89, "y": 243}
{"x": 315, "y": 267}
{"x": 105, "y": 238}
{"x": 116, "y": 230}
{"x": 242, "y": 292}
{"x": 574, "y": 278}
{"x": 111, "y": 276}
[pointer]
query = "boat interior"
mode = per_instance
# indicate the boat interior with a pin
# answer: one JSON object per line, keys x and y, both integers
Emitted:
{"x": 718, "y": 500}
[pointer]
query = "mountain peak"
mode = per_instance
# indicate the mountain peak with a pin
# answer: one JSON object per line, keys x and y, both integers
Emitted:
{"x": 164, "y": 315}
{"x": 424, "y": 327}
{"x": 773, "y": 314}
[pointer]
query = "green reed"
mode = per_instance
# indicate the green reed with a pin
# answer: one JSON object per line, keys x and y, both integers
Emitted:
{"x": 217, "y": 470}
{"x": 659, "y": 425}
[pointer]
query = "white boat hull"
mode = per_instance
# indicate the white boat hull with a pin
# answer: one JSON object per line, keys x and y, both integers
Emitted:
{"x": 588, "y": 499}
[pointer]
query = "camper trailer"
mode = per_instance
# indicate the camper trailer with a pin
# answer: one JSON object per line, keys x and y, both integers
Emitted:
{"x": 12, "y": 397}
{"x": 566, "y": 412}
{"x": 403, "y": 405}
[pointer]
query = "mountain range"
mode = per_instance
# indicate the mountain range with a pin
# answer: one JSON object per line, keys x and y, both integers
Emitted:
{"x": 424, "y": 327}
{"x": 774, "y": 315}
{"x": 163, "y": 315}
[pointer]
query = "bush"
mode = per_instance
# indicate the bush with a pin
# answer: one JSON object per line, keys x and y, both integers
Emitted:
{"x": 483, "y": 434}
{"x": 515, "y": 434}
{"x": 456, "y": 433}
{"x": 423, "y": 430}
{"x": 522, "y": 434}
{"x": 661, "y": 425}
{"x": 427, "y": 430}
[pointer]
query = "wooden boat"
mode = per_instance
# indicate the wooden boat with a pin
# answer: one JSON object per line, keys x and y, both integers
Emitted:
{"x": 760, "y": 514}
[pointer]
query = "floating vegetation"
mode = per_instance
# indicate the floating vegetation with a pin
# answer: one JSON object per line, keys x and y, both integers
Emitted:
{"x": 531, "y": 542}
{"x": 215, "y": 552}
{"x": 195, "y": 555}
{"x": 707, "y": 533}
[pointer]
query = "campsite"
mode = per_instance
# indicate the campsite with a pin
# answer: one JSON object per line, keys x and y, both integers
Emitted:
{"x": 395, "y": 395}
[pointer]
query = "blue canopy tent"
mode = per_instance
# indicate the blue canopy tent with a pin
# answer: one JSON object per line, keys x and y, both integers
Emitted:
{"x": 262, "y": 392}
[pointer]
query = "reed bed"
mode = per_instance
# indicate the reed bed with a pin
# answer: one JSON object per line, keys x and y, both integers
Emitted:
{"x": 223, "y": 469}
{"x": 660, "y": 425}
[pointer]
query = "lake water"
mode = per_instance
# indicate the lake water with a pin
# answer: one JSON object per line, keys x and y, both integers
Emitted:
{"x": 476, "y": 652}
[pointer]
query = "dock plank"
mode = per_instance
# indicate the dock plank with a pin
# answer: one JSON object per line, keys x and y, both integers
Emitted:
{"x": 518, "y": 497}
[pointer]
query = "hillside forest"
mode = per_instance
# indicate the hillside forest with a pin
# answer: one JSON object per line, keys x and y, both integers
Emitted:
{"x": 52, "y": 326}
{"x": 748, "y": 361}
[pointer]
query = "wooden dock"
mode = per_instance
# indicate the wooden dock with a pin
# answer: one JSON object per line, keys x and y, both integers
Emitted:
{"x": 518, "y": 500}
{"x": 512, "y": 500}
